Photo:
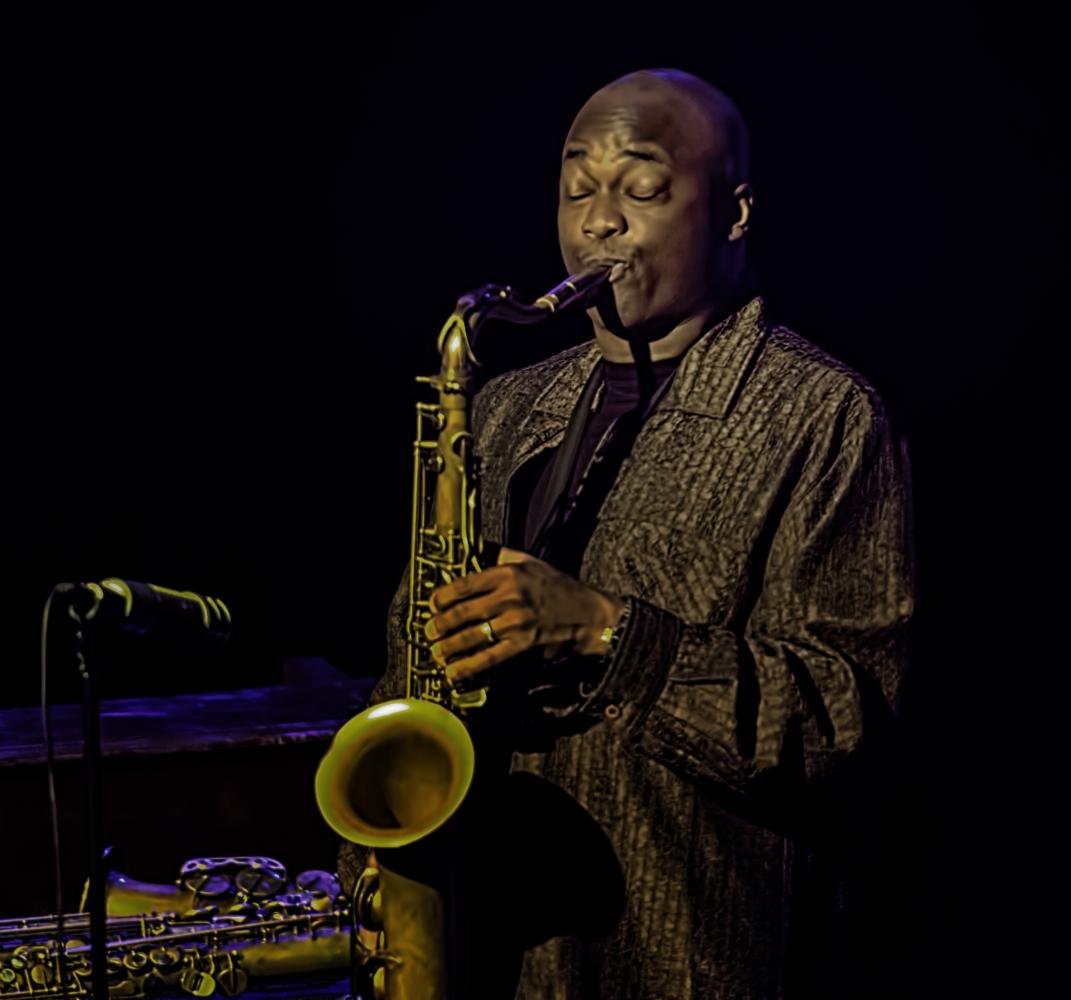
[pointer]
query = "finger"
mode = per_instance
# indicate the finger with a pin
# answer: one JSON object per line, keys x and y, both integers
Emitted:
{"x": 507, "y": 591}
{"x": 465, "y": 613}
{"x": 469, "y": 640}
{"x": 446, "y": 623}
{"x": 511, "y": 624}
{"x": 489, "y": 657}
{"x": 465, "y": 587}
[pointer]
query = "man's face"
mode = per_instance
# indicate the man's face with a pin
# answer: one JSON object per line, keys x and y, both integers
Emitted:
{"x": 636, "y": 187}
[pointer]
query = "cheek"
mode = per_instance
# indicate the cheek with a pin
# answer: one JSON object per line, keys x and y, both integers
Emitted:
{"x": 678, "y": 251}
{"x": 563, "y": 232}
{"x": 567, "y": 236}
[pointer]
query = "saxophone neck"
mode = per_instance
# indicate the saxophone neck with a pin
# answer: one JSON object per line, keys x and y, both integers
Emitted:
{"x": 498, "y": 302}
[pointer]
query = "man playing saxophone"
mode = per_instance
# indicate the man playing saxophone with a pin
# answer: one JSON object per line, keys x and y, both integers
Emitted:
{"x": 706, "y": 545}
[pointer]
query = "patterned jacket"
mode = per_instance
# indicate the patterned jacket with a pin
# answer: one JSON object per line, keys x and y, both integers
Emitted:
{"x": 760, "y": 529}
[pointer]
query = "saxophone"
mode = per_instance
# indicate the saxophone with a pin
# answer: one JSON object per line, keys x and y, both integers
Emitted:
{"x": 400, "y": 769}
{"x": 226, "y": 921}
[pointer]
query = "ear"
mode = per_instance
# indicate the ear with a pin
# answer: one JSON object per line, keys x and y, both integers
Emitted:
{"x": 744, "y": 200}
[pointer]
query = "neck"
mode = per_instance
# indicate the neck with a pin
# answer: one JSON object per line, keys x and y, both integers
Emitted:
{"x": 662, "y": 345}
{"x": 671, "y": 339}
{"x": 670, "y": 345}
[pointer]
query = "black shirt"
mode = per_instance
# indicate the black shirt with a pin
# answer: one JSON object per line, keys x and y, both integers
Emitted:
{"x": 570, "y": 518}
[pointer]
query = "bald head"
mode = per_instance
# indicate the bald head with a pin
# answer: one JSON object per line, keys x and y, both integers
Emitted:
{"x": 699, "y": 120}
{"x": 654, "y": 186}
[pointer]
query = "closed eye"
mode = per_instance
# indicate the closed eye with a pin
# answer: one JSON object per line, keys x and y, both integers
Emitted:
{"x": 647, "y": 194}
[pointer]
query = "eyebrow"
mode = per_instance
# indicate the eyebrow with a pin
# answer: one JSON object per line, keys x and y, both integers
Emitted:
{"x": 630, "y": 152}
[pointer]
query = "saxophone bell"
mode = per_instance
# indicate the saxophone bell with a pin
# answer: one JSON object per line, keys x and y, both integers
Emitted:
{"x": 395, "y": 773}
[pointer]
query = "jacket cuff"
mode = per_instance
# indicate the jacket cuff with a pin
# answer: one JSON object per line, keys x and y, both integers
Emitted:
{"x": 636, "y": 671}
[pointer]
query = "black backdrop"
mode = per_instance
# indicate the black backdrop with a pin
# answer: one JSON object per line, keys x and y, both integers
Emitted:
{"x": 239, "y": 226}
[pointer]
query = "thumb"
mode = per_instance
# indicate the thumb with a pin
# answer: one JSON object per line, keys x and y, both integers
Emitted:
{"x": 512, "y": 556}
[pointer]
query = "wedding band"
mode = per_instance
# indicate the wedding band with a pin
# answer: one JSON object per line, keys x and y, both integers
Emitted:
{"x": 489, "y": 633}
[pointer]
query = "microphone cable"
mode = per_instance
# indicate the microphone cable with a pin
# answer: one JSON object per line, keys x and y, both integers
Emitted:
{"x": 50, "y": 770}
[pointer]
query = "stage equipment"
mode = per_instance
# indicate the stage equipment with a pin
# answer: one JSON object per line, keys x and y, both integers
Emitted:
{"x": 131, "y": 606}
{"x": 397, "y": 771}
{"x": 142, "y": 608}
{"x": 225, "y": 921}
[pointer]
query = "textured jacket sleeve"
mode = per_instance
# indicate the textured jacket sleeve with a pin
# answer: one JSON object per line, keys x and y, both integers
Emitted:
{"x": 819, "y": 663}
{"x": 392, "y": 683}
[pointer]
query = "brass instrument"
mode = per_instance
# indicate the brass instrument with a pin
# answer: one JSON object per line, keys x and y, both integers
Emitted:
{"x": 173, "y": 938}
{"x": 398, "y": 770}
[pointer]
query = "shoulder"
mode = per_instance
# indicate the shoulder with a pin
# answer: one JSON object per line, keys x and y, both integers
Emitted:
{"x": 532, "y": 379}
{"x": 792, "y": 358}
{"x": 513, "y": 393}
{"x": 838, "y": 419}
{"x": 825, "y": 388}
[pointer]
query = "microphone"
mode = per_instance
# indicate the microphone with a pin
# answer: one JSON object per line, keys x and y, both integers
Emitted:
{"x": 144, "y": 608}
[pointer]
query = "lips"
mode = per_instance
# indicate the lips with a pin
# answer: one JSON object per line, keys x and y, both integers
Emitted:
{"x": 618, "y": 266}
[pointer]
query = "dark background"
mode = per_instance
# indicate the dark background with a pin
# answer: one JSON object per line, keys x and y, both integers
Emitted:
{"x": 238, "y": 227}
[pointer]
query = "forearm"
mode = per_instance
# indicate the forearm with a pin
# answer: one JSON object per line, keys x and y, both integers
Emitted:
{"x": 754, "y": 714}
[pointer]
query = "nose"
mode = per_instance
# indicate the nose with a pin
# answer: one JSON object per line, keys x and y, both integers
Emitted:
{"x": 603, "y": 219}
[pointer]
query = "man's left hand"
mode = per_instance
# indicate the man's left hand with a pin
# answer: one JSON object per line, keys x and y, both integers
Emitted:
{"x": 527, "y": 603}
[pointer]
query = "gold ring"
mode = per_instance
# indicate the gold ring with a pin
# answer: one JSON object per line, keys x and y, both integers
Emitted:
{"x": 489, "y": 633}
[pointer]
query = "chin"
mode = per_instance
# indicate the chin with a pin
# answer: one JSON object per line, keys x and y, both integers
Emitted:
{"x": 630, "y": 311}
{"x": 638, "y": 316}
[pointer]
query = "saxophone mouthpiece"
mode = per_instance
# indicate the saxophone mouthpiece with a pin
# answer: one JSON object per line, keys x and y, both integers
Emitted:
{"x": 576, "y": 287}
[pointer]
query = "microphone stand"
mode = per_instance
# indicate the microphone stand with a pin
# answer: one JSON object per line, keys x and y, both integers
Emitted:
{"x": 134, "y": 607}
{"x": 99, "y": 855}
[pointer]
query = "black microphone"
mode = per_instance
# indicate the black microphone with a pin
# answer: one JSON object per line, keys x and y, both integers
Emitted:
{"x": 144, "y": 608}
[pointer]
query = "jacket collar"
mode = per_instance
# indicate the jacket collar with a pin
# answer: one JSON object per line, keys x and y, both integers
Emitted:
{"x": 710, "y": 379}
{"x": 716, "y": 368}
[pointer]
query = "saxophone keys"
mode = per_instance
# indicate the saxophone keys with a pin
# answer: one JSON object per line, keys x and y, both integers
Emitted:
{"x": 368, "y": 900}
{"x": 116, "y": 970}
{"x": 207, "y": 885}
{"x": 232, "y": 980}
{"x": 40, "y": 973}
{"x": 18, "y": 960}
{"x": 258, "y": 883}
{"x": 167, "y": 965}
{"x": 165, "y": 959}
{"x": 200, "y": 913}
{"x": 379, "y": 984}
{"x": 319, "y": 882}
{"x": 120, "y": 983}
{"x": 241, "y": 910}
{"x": 198, "y": 982}
{"x": 135, "y": 961}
